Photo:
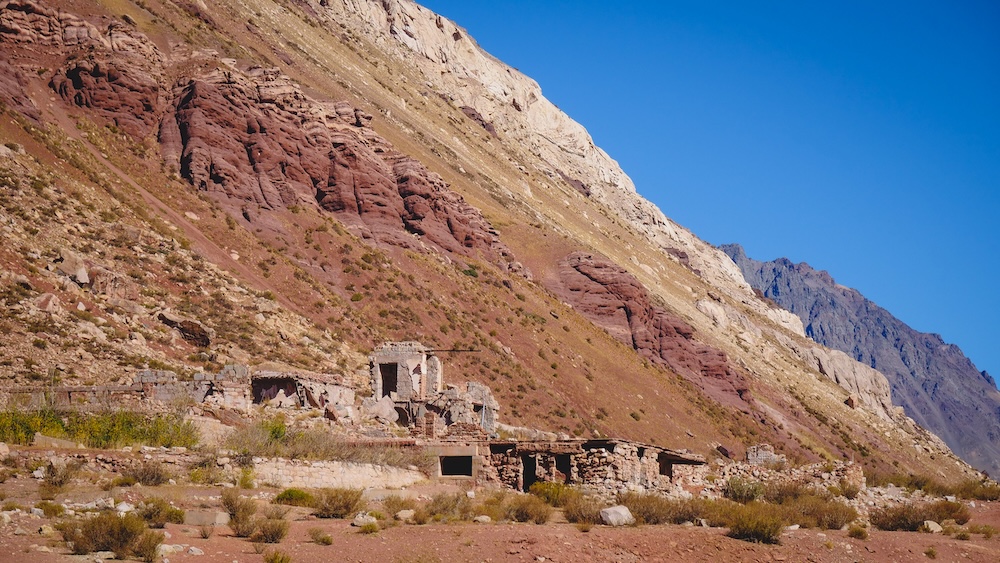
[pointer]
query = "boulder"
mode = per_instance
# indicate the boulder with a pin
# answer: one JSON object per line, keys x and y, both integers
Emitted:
{"x": 383, "y": 409}
{"x": 364, "y": 519}
{"x": 73, "y": 266}
{"x": 405, "y": 515}
{"x": 617, "y": 516}
{"x": 933, "y": 527}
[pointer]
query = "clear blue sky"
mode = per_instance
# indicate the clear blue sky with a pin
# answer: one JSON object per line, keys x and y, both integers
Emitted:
{"x": 860, "y": 137}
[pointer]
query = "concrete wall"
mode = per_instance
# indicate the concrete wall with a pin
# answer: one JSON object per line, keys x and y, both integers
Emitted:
{"x": 319, "y": 474}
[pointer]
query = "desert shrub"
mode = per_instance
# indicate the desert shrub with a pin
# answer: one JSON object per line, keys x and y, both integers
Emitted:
{"x": 849, "y": 490}
{"x": 394, "y": 503}
{"x": 946, "y": 510}
{"x": 857, "y": 531}
{"x": 47, "y": 491}
{"x": 270, "y": 530}
{"x": 277, "y": 557}
{"x": 123, "y": 481}
{"x": 320, "y": 537}
{"x": 105, "y": 532}
{"x": 206, "y": 531}
{"x": 555, "y": 494}
{"x": 149, "y": 473}
{"x": 583, "y": 509}
{"x": 648, "y": 508}
{"x": 246, "y": 478}
{"x": 742, "y": 490}
{"x": 368, "y": 528}
{"x": 421, "y": 516}
{"x": 148, "y": 546}
{"x": 779, "y": 492}
{"x": 157, "y": 512}
{"x": 978, "y": 489}
{"x": 241, "y": 513}
{"x": 60, "y": 475}
{"x": 529, "y": 508}
{"x": 447, "y": 507}
{"x": 963, "y": 535}
{"x": 756, "y": 522}
{"x": 985, "y": 529}
{"x": 294, "y": 497}
{"x": 904, "y": 517}
{"x": 817, "y": 512}
{"x": 337, "y": 503}
{"x": 51, "y": 509}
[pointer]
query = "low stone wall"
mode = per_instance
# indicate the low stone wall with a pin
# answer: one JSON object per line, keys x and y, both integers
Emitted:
{"x": 318, "y": 474}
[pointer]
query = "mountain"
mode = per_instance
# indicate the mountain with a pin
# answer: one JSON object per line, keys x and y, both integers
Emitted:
{"x": 933, "y": 381}
{"x": 190, "y": 184}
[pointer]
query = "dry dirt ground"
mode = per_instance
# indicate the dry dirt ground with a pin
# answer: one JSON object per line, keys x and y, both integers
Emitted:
{"x": 556, "y": 541}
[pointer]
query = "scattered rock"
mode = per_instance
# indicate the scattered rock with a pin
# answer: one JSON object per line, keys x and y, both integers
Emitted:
{"x": 933, "y": 527}
{"x": 404, "y": 515}
{"x": 482, "y": 519}
{"x": 617, "y": 516}
{"x": 363, "y": 519}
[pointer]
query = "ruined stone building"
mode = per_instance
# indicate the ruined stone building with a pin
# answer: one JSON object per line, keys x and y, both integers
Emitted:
{"x": 408, "y": 378}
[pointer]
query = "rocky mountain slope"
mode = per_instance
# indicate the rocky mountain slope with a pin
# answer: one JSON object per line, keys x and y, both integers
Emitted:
{"x": 187, "y": 184}
{"x": 933, "y": 381}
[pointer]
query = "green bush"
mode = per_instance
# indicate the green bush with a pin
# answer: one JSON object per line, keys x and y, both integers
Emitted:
{"x": 369, "y": 528}
{"x": 337, "y": 503}
{"x": 97, "y": 430}
{"x": 857, "y": 531}
{"x": 742, "y": 490}
{"x": 157, "y": 512}
{"x": 756, "y": 522}
{"x": 294, "y": 497}
{"x": 555, "y": 494}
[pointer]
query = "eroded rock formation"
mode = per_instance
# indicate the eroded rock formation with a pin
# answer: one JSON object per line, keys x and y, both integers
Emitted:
{"x": 614, "y": 299}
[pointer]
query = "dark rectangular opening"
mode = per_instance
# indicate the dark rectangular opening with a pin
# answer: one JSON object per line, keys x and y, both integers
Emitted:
{"x": 456, "y": 465}
{"x": 666, "y": 466}
{"x": 528, "y": 472}
{"x": 563, "y": 466}
{"x": 496, "y": 449}
{"x": 389, "y": 374}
